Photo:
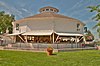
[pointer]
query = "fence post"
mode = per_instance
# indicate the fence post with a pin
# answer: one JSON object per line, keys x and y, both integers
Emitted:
{"x": 57, "y": 46}
{"x": 38, "y": 46}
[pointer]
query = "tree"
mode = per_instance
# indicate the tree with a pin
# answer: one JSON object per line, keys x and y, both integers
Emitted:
{"x": 89, "y": 36}
{"x": 96, "y": 9}
{"x": 6, "y": 22}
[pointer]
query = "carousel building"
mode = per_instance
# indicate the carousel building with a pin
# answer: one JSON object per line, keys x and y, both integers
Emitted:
{"x": 48, "y": 27}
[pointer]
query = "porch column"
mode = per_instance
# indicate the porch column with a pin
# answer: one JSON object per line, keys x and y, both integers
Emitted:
{"x": 84, "y": 40}
{"x": 14, "y": 39}
{"x": 76, "y": 42}
{"x": 53, "y": 38}
{"x": 26, "y": 38}
{"x": 50, "y": 39}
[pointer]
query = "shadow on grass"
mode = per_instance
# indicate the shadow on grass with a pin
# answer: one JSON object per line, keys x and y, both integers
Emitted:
{"x": 54, "y": 54}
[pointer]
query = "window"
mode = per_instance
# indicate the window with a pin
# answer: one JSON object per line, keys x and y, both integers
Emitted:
{"x": 78, "y": 27}
{"x": 55, "y": 10}
{"x": 43, "y": 10}
{"x": 85, "y": 29}
{"x": 51, "y": 9}
{"x": 47, "y": 9}
{"x": 17, "y": 26}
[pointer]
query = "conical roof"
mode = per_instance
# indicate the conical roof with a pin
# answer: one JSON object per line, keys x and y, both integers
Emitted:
{"x": 49, "y": 14}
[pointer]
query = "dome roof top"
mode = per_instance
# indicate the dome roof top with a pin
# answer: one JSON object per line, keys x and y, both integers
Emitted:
{"x": 49, "y": 9}
{"x": 49, "y": 12}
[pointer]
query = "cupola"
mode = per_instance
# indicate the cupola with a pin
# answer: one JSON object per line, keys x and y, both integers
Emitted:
{"x": 49, "y": 9}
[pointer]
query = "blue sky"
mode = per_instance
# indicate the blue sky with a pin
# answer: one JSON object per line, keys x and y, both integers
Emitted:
{"x": 72, "y": 8}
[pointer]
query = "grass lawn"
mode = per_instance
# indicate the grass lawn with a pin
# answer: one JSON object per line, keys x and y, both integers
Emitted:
{"x": 76, "y": 58}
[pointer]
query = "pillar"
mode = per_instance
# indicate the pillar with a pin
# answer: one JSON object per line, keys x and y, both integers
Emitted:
{"x": 53, "y": 38}
{"x": 26, "y": 38}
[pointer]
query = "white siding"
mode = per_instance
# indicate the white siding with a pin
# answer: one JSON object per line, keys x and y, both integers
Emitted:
{"x": 39, "y": 24}
{"x": 65, "y": 25}
{"x": 56, "y": 24}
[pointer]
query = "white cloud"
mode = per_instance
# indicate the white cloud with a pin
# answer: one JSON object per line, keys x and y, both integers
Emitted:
{"x": 10, "y": 9}
{"x": 2, "y": 4}
{"x": 27, "y": 11}
{"x": 78, "y": 4}
{"x": 24, "y": 9}
{"x": 77, "y": 12}
{"x": 89, "y": 21}
{"x": 80, "y": 8}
